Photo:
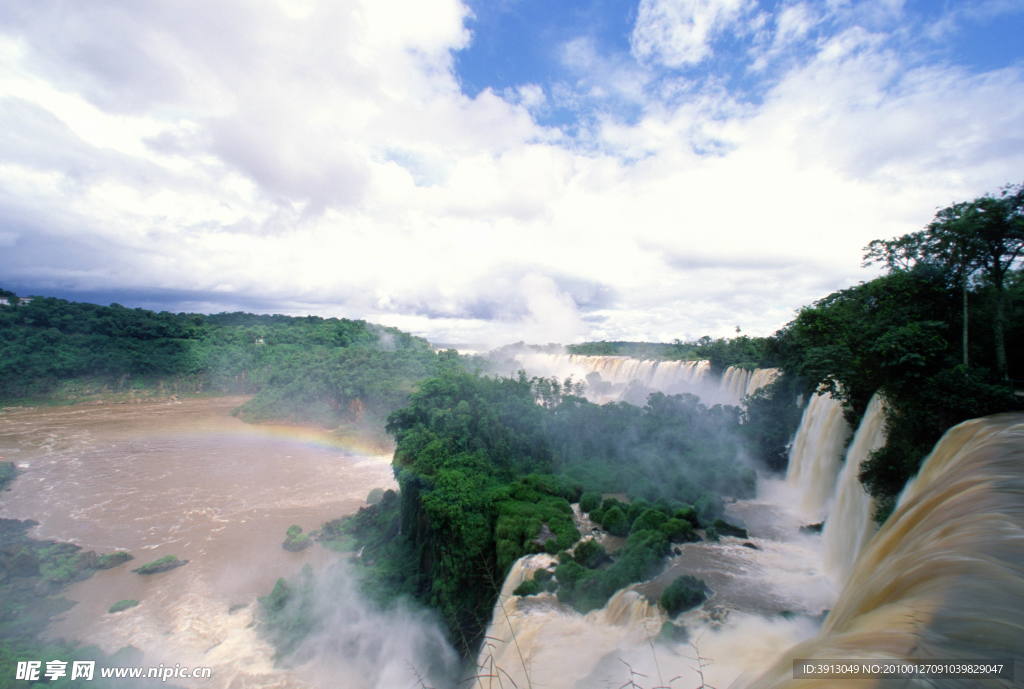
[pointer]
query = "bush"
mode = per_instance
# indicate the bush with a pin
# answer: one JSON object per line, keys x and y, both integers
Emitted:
{"x": 649, "y": 520}
{"x": 529, "y": 587}
{"x": 295, "y": 540}
{"x": 679, "y": 531}
{"x": 684, "y": 593}
{"x": 590, "y": 554}
{"x": 590, "y": 502}
{"x": 615, "y": 522}
{"x": 375, "y": 496}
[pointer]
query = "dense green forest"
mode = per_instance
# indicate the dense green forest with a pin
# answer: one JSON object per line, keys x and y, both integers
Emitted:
{"x": 939, "y": 335}
{"x": 325, "y": 370}
{"x": 487, "y": 469}
{"x": 742, "y": 351}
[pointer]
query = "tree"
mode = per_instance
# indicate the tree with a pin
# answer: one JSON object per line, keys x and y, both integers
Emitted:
{"x": 986, "y": 235}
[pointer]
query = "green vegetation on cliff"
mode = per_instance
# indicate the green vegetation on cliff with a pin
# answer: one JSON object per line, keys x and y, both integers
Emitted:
{"x": 488, "y": 467}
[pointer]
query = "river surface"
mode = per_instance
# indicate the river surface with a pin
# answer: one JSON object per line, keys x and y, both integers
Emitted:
{"x": 181, "y": 478}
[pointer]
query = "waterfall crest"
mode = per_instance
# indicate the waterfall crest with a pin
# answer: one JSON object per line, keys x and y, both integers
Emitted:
{"x": 944, "y": 576}
{"x": 671, "y": 377}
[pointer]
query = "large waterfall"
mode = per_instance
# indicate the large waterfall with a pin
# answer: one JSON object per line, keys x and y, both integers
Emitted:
{"x": 944, "y": 577}
{"x": 614, "y": 374}
{"x": 925, "y": 586}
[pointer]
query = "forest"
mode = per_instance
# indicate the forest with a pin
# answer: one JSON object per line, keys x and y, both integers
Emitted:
{"x": 321, "y": 370}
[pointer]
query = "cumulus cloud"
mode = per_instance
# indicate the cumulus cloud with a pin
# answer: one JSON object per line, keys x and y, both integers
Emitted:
{"x": 679, "y": 32}
{"x": 321, "y": 157}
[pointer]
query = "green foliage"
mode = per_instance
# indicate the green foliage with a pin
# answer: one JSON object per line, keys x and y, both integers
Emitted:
{"x": 488, "y": 467}
{"x": 589, "y": 589}
{"x": 678, "y": 531}
{"x": 530, "y": 587}
{"x": 162, "y": 564}
{"x": 743, "y": 352}
{"x": 328, "y": 371}
{"x": 112, "y": 560}
{"x": 614, "y": 521}
{"x": 590, "y": 554}
{"x": 287, "y": 614}
{"x": 684, "y": 593}
{"x": 590, "y": 501}
{"x": 649, "y": 520}
{"x": 374, "y": 496}
{"x": 904, "y": 335}
{"x": 123, "y": 605}
{"x": 295, "y": 540}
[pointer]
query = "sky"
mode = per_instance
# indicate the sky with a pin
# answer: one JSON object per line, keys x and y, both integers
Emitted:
{"x": 483, "y": 172}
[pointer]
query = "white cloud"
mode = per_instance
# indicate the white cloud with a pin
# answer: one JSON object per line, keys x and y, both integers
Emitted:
{"x": 679, "y": 32}
{"x": 324, "y": 159}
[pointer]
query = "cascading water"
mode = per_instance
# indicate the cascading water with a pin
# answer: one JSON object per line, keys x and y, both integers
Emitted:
{"x": 815, "y": 453}
{"x": 944, "y": 576}
{"x": 850, "y": 522}
{"x": 671, "y": 377}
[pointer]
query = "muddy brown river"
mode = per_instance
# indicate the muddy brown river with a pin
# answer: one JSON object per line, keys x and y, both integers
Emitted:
{"x": 181, "y": 478}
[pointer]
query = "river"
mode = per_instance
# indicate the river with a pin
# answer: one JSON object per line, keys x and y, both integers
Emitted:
{"x": 182, "y": 478}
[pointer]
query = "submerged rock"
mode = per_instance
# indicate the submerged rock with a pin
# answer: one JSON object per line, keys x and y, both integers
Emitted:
{"x": 162, "y": 565}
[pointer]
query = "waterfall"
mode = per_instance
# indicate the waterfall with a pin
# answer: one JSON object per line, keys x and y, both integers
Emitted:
{"x": 944, "y": 576}
{"x": 671, "y": 377}
{"x": 530, "y": 636}
{"x": 815, "y": 453}
{"x": 850, "y": 521}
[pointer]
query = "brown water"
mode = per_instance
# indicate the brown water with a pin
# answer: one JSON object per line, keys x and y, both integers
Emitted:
{"x": 183, "y": 478}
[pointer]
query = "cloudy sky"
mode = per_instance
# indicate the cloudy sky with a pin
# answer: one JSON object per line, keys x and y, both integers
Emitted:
{"x": 491, "y": 171}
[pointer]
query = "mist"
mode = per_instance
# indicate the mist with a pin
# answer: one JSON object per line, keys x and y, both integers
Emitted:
{"x": 356, "y": 644}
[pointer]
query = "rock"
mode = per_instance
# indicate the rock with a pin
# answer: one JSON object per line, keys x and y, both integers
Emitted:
{"x": 812, "y": 528}
{"x": 112, "y": 559}
{"x": 123, "y": 605}
{"x": 724, "y": 528}
{"x": 162, "y": 565}
{"x": 752, "y": 546}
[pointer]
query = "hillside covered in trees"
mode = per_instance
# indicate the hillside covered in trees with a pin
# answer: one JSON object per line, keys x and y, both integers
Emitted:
{"x": 323, "y": 370}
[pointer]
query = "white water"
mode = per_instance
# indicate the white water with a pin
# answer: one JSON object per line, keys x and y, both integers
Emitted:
{"x": 944, "y": 576}
{"x": 815, "y": 453}
{"x": 850, "y": 522}
{"x": 618, "y": 373}
{"x": 737, "y": 631}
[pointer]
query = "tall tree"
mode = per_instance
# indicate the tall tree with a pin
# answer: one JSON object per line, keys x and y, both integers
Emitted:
{"x": 985, "y": 235}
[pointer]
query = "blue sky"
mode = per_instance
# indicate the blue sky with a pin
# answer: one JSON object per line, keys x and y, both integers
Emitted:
{"x": 483, "y": 172}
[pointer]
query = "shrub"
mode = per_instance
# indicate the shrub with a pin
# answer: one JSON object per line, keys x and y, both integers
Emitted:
{"x": 615, "y": 522}
{"x": 590, "y": 502}
{"x": 590, "y": 554}
{"x": 649, "y": 520}
{"x": 684, "y": 593}
{"x": 529, "y": 587}
{"x": 678, "y": 531}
